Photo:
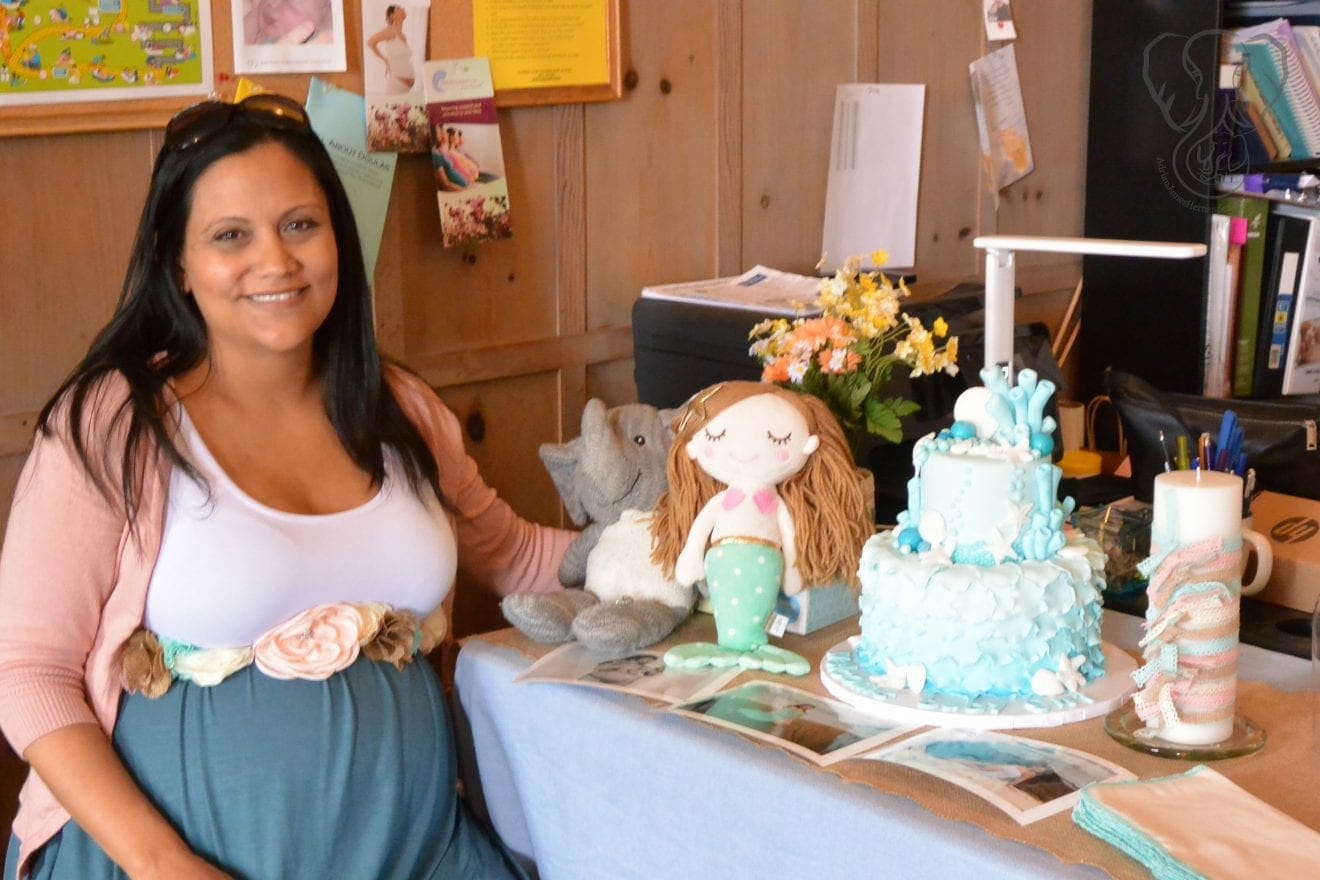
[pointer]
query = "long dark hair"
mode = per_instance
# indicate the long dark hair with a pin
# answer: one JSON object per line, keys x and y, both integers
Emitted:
{"x": 157, "y": 332}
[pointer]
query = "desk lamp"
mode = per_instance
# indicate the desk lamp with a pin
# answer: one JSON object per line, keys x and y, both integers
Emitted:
{"x": 999, "y": 277}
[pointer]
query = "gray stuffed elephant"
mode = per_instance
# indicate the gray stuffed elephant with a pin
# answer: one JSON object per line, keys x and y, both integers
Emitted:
{"x": 609, "y": 478}
{"x": 617, "y": 463}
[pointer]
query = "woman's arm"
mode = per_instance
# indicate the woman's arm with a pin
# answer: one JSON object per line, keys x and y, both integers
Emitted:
{"x": 495, "y": 546}
{"x": 81, "y": 768}
{"x": 375, "y": 39}
{"x": 57, "y": 571}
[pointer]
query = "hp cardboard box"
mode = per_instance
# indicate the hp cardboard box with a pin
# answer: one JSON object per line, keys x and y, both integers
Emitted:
{"x": 1293, "y": 528}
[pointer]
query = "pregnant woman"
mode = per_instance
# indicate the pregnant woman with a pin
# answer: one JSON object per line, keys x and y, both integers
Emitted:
{"x": 391, "y": 46}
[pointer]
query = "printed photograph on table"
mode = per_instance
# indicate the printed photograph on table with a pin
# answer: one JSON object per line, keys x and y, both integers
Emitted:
{"x": 817, "y": 728}
{"x": 1027, "y": 779}
{"x": 57, "y": 52}
{"x": 288, "y": 36}
{"x": 640, "y": 672}
{"x": 393, "y": 48}
{"x": 466, "y": 151}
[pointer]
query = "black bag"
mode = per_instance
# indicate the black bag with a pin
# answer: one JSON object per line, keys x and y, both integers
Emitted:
{"x": 1280, "y": 435}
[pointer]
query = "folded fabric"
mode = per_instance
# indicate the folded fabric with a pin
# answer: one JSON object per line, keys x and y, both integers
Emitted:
{"x": 1200, "y": 825}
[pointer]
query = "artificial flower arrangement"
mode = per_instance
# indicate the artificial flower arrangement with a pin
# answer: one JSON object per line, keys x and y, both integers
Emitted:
{"x": 847, "y": 354}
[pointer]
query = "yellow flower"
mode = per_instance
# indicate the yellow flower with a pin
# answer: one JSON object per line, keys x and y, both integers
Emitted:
{"x": 847, "y": 353}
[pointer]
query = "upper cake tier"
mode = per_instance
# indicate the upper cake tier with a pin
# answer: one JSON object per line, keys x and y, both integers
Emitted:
{"x": 985, "y": 490}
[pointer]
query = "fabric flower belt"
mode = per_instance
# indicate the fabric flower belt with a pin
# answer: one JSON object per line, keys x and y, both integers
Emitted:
{"x": 314, "y": 645}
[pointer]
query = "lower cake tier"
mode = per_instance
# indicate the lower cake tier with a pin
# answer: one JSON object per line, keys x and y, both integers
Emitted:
{"x": 1015, "y": 629}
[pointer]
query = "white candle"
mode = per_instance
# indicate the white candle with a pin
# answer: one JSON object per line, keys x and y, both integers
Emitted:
{"x": 1192, "y": 507}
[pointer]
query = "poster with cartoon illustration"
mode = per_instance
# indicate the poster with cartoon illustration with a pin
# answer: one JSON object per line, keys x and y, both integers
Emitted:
{"x": 466, "y": 151}
{"x": 65, "y": 51}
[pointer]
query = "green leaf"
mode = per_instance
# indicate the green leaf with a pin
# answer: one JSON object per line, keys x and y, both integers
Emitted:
{"x": 884, "y": 417}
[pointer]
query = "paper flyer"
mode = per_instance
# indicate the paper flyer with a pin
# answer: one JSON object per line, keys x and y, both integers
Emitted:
{"x": 466, "y": 151}
{"x": 288, "y": 36}
{"x": 540, "y": 45}
{"x": 1001, "y": 119}
{"x": 875, "y": 160}
{"x": 1028, "y": 779}
{"x": 393, "y": 46}
{"x": 999, "y": 20}
{"x": 337, "y": 119}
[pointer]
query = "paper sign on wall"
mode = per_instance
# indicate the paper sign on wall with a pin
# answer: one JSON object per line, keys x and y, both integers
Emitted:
{"x": 875, "y": 169}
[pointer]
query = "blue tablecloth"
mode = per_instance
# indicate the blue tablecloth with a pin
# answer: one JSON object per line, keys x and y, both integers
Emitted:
{"x": 591, "y": 784}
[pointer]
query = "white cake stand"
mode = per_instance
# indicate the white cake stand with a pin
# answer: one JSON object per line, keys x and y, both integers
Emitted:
{"x": 850, "y": 683}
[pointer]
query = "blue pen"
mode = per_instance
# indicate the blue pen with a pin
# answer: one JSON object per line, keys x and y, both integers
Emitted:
{"x": 1241, "y": 468}
{"x": 1226, "y": 426}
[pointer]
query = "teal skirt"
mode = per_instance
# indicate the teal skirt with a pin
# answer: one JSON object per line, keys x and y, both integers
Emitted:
{"x": 352, "y": 777}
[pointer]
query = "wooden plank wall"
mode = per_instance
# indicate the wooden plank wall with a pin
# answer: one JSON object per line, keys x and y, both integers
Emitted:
{"x": 714, "y": 160}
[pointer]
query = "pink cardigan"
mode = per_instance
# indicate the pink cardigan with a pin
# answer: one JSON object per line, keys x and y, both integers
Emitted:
{"x": 73, "y": 581}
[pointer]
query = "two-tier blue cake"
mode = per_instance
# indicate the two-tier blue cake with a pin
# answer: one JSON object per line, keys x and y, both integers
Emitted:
{"x": 980, "y": 591}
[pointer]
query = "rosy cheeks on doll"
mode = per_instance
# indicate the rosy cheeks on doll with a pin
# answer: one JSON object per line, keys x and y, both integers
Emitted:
{"x": 758, "y": 442}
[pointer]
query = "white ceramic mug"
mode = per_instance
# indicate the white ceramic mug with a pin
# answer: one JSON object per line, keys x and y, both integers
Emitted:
{"x": 1264, "y": 553}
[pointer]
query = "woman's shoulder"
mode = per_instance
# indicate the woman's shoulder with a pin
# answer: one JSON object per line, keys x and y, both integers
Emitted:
{"x": 415, "y": 397}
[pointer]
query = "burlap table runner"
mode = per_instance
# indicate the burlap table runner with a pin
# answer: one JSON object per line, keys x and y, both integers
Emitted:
{"x": 1285, "y": 773}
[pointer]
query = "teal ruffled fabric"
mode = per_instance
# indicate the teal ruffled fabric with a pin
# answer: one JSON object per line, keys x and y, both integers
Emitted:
{"x": 1112, "y": 828}
{"x": 1198, "y": 825}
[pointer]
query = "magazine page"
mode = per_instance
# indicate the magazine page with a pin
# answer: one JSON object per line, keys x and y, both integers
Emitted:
{"x": 1026, "y": 778}
{"x": 758, "y": 289}
{"x": 641, "y": 672}
{"x": 816, "y": 728}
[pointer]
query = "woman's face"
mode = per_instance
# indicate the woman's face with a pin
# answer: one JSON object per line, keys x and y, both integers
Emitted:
{"x": 397, "y": 16}
{"x": 758, "y": 441}
{"x": 259, "y": 254}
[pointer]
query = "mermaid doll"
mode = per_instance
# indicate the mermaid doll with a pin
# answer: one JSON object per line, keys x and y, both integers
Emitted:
{"x": 763, "y": 495}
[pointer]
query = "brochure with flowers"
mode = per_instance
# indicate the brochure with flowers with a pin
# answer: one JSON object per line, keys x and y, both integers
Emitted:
{"x": 639, "y": 672}
{"x": 393, "y": 44}
{"x": 816, "y": 728}
{"x": 1026, "y": 778}
{"x": 466, "y": 151}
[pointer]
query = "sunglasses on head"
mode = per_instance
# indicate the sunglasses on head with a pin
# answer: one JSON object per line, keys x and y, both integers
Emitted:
{"x": 200, "y": 122}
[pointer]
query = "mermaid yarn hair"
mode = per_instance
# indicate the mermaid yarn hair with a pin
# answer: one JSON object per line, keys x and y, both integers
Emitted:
{"x": 825, "y": 497}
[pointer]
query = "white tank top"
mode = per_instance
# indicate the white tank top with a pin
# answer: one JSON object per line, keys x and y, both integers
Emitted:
{"x": 399, "y": 54}
{"x": 231, "y": 568}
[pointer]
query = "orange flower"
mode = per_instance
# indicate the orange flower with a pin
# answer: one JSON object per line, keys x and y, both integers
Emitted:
{"x": 838, "y": 360}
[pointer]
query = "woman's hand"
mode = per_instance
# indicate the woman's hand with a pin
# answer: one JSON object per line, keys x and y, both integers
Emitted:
{"x": 182, "y": 865}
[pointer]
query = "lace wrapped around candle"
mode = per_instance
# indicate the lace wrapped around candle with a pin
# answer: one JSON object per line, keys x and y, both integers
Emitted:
{"x": 1191, "y": 643}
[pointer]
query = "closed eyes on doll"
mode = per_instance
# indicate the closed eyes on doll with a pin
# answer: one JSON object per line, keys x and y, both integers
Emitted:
{"x": 779, "y": 441}
{"x": 714, "y": 438}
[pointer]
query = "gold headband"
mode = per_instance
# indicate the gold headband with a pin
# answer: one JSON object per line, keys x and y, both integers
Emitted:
{"x": 697, "y": 406}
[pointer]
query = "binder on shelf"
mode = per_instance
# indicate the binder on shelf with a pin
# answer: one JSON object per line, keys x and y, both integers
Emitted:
{"x": 1255, "y": 212}
{"x": 1301, "y": 358}
{"x": 1293, "y": 239}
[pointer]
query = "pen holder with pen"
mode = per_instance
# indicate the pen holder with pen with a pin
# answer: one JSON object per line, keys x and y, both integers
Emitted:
{"x": 1279, "y": 437}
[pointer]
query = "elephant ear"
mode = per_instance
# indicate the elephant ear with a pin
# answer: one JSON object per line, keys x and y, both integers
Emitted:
{"x": 668, "y": 418}
{"x": 561, "y": 460}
